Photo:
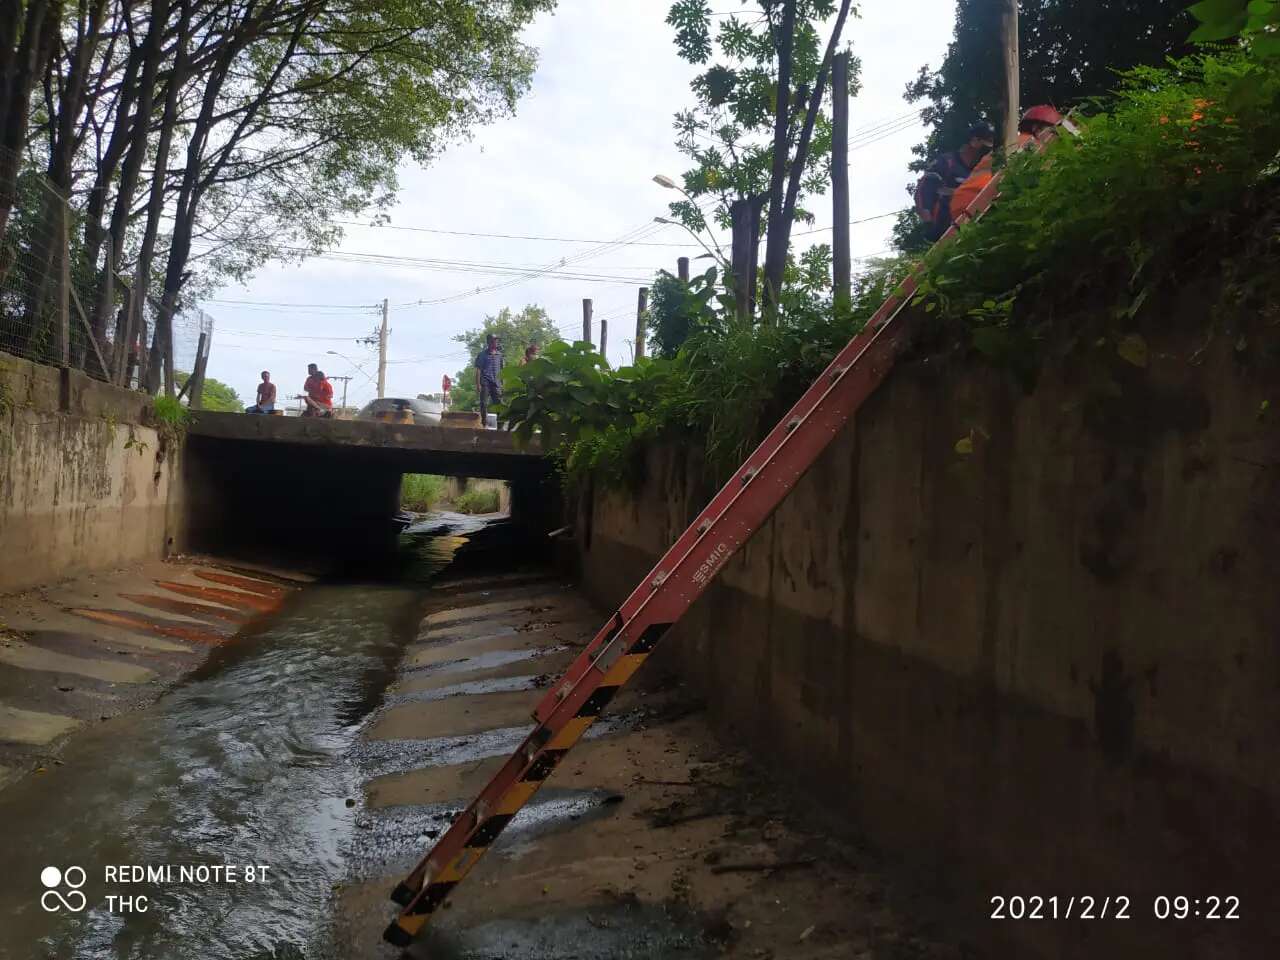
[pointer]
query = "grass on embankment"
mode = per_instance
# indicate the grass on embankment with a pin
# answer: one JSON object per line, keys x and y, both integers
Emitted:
{"x": 477, "y": 501}
{"x": 420, "y": 492}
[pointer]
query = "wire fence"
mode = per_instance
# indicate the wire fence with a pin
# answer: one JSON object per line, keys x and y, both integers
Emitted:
{"x": 62, "y": 305}
{"x": 48, "y": 295}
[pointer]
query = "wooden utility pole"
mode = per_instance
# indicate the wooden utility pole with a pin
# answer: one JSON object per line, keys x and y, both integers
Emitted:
{"x": 604, "y": 339}
{"x": 842, "y": 264}
{"x": 682, "y": 268}
{"x": 1009, "y": 49}
{"x": 382, "y": 353}
{"x": 345, "y": 381}
{"x": 642, "y": 303}
{"x": 586, "y": 320}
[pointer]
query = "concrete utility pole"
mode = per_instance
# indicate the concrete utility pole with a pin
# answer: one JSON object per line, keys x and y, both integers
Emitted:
{"x": 586, "y": 320}
{"x": 345, "y": 381}
{"x": 841, "y": 264}
{"x": 642, "y": 302}
{"x": 1009, "y": 48}
{"x": 682, "y": 268}
{"x": 604, "y": 339}
{"x": 382, "y": 353}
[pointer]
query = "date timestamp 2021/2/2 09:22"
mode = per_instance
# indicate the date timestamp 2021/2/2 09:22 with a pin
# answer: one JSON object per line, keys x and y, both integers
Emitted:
{"x": 1087, "y": 907}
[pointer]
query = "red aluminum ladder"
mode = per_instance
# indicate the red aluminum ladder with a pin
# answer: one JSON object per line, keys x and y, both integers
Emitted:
{"x": 666, "y": 593}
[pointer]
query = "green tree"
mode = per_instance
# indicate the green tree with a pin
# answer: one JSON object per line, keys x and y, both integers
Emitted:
{"x": 759, "y": 135}
{"x": 514, "y": 331}
{"x": 1071, "y": 52}
{"x": 216, "y": 395}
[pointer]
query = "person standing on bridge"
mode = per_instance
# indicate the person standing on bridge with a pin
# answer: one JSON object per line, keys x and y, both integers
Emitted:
{"x": 489, "y": 376}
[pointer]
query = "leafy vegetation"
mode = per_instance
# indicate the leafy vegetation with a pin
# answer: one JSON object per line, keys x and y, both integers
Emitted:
{"x": 259, "y": 124}
{"x": 170, "y": 412}
{"x": 1257, "y": 21}
{"x": 759, "y": 136}
{"x": 215, "y": 395}
{"x": 1175, "y": 186}
{"x": 420, "y": 492}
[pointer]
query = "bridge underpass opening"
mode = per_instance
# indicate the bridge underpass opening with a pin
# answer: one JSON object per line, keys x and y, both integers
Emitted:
{"x": 251, "y": 484}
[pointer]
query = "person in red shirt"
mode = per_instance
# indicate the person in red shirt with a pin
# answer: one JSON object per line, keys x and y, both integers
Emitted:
{"x": 317, "y": 394}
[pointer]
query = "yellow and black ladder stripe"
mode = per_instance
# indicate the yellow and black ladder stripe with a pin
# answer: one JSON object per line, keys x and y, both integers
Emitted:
{"x": 528, "y": 768}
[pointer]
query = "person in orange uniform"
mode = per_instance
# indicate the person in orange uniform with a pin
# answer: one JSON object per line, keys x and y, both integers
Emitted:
{"x": 1034, "y": 122}
{"x": 317, "y": 394}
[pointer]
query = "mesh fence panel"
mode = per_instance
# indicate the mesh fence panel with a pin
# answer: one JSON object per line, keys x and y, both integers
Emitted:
{"x": 188, "y": 326}
{"x": 48, "y": 294}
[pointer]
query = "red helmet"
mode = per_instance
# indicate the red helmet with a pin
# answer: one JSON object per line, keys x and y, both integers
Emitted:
{"x": 1041, "y": 114}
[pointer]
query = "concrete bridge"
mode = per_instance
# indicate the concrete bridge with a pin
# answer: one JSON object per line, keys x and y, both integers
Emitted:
{"x": 337, "y": 479}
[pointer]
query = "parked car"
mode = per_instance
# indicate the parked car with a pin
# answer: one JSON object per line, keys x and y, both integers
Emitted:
{"x": 402, "y": 410}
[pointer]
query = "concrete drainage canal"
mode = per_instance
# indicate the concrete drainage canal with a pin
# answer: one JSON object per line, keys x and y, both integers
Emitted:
{"x": 231, "y": 819}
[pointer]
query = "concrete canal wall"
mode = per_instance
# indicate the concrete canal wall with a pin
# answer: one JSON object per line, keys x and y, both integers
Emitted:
{"x": 84, "y": 482}
{"x": 1049, "y": 666}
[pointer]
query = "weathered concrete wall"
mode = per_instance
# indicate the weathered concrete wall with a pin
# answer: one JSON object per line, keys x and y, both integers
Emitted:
{"x": 83, "y": 483}
{"x": 1051, "y": 667}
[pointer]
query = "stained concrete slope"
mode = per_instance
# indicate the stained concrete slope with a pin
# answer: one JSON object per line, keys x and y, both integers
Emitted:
{"x": 92, "y": 647}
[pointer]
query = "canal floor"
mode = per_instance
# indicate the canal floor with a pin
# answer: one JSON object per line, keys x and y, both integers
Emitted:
{"x": 280, "y": 793}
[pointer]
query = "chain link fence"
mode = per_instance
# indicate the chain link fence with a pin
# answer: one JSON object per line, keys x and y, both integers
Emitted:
{"x": 48, "y": 294}
{"x": 60, "y": 305}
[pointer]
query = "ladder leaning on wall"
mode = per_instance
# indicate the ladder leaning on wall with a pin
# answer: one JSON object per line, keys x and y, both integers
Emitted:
{"x": 670, "y": 588}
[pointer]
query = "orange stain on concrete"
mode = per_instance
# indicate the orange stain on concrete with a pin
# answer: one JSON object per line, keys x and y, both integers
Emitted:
{"x": 228, "y": 598}
{"x": 132, "y": 621}
{"x": 201, "y": 611}
{"x": 242, "y": 583}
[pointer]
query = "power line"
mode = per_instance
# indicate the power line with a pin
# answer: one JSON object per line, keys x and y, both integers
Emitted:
{"x": 512, "y": 236}
{"x": 281, "y": 303}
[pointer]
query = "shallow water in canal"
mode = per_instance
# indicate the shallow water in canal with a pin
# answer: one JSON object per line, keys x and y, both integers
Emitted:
{"x": 246, "y": 764}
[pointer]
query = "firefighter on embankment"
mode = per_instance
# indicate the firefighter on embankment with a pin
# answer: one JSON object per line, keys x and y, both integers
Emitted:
{"x": 940, "y": 179}
{"x": 1033, "y": 123}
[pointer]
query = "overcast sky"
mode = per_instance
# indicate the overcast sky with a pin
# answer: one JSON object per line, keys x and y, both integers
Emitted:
{"x": 577, "y": 162}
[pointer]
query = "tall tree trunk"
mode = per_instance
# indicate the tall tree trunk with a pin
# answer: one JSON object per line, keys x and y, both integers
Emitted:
{"x": 777, "y": 236}
{"x": 196, "y": 179}
{"x": 155, "y": 202}
{"x": 744, "y": 216}
{"x": 776, "y": 258}
{"x": 30, "y": 54}
{"x": 136, "y": 135}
